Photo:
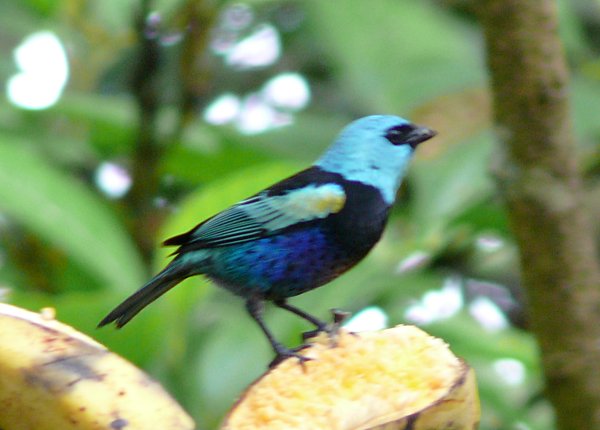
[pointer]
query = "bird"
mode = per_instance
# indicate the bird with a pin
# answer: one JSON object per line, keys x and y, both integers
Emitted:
{"x": 298, "y": 234}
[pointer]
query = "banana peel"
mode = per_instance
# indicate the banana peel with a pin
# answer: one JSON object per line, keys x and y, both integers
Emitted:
{"x": 395, "y": 379}
{"x": 53, "y": 377}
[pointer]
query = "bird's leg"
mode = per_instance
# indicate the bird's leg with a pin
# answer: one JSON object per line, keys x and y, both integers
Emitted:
{"x": 321, "y": 325}
{"x": 255, "y": 308}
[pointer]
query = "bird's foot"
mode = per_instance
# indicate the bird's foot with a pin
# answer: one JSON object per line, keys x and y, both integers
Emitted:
{"x": 285, "y": 353}
{"x": 332, "y": 330}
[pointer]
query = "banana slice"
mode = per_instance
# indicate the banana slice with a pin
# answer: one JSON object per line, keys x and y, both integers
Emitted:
{"x": 53, "y": 377}
{"x": 400, "y": 378}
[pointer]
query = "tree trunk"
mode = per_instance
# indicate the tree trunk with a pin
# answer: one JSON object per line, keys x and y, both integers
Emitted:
{"x": 539, "y": 178}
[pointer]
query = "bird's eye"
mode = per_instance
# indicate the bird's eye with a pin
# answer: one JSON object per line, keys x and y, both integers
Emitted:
{"x": 398, "y": 135}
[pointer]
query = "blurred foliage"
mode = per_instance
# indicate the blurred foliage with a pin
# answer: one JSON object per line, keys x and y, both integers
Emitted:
{"x": 64, "y": 243}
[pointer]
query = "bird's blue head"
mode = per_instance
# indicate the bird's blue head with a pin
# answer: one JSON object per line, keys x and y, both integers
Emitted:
{"x": 375, "y": 150}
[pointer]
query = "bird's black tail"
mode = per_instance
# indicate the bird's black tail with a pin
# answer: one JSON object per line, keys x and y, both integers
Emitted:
{"x": 172, "y": 275}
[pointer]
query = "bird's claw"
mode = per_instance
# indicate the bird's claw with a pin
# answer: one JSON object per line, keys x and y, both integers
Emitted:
{"x": 331, "y": 330}
{"x": 285, "y": 353}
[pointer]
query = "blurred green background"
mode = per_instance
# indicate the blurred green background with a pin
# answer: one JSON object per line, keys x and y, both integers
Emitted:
{"x": 200, "y": 103}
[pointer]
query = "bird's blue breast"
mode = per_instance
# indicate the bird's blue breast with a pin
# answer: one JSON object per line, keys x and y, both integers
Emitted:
{"x": 280, "y": 266}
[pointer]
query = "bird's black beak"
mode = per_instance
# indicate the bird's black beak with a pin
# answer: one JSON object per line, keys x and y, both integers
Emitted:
{"x": 418, "y": 135}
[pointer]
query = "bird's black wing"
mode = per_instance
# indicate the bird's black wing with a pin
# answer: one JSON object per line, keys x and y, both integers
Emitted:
{"x": 301, "y": 198}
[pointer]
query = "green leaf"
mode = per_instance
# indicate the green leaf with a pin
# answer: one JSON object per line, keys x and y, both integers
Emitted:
{"x": 305, "y": 140}
{"x": 67, "y": 215}
{"x": 111, "y": 119}
{"x": 182, "y": 161}
{"x": 449, "y": 183}
{"x": 394, "y": 54}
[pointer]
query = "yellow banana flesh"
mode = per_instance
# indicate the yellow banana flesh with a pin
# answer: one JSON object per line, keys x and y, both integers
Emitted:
{"x": 395, "y": 379}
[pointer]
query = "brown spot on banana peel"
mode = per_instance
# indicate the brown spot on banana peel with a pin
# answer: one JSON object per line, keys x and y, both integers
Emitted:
{"x": 63, "y": 373}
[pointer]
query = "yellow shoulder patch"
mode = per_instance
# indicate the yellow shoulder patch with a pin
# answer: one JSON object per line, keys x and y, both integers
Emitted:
{"x": 315, "y": 201}
{"x": 329, "y": 200}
